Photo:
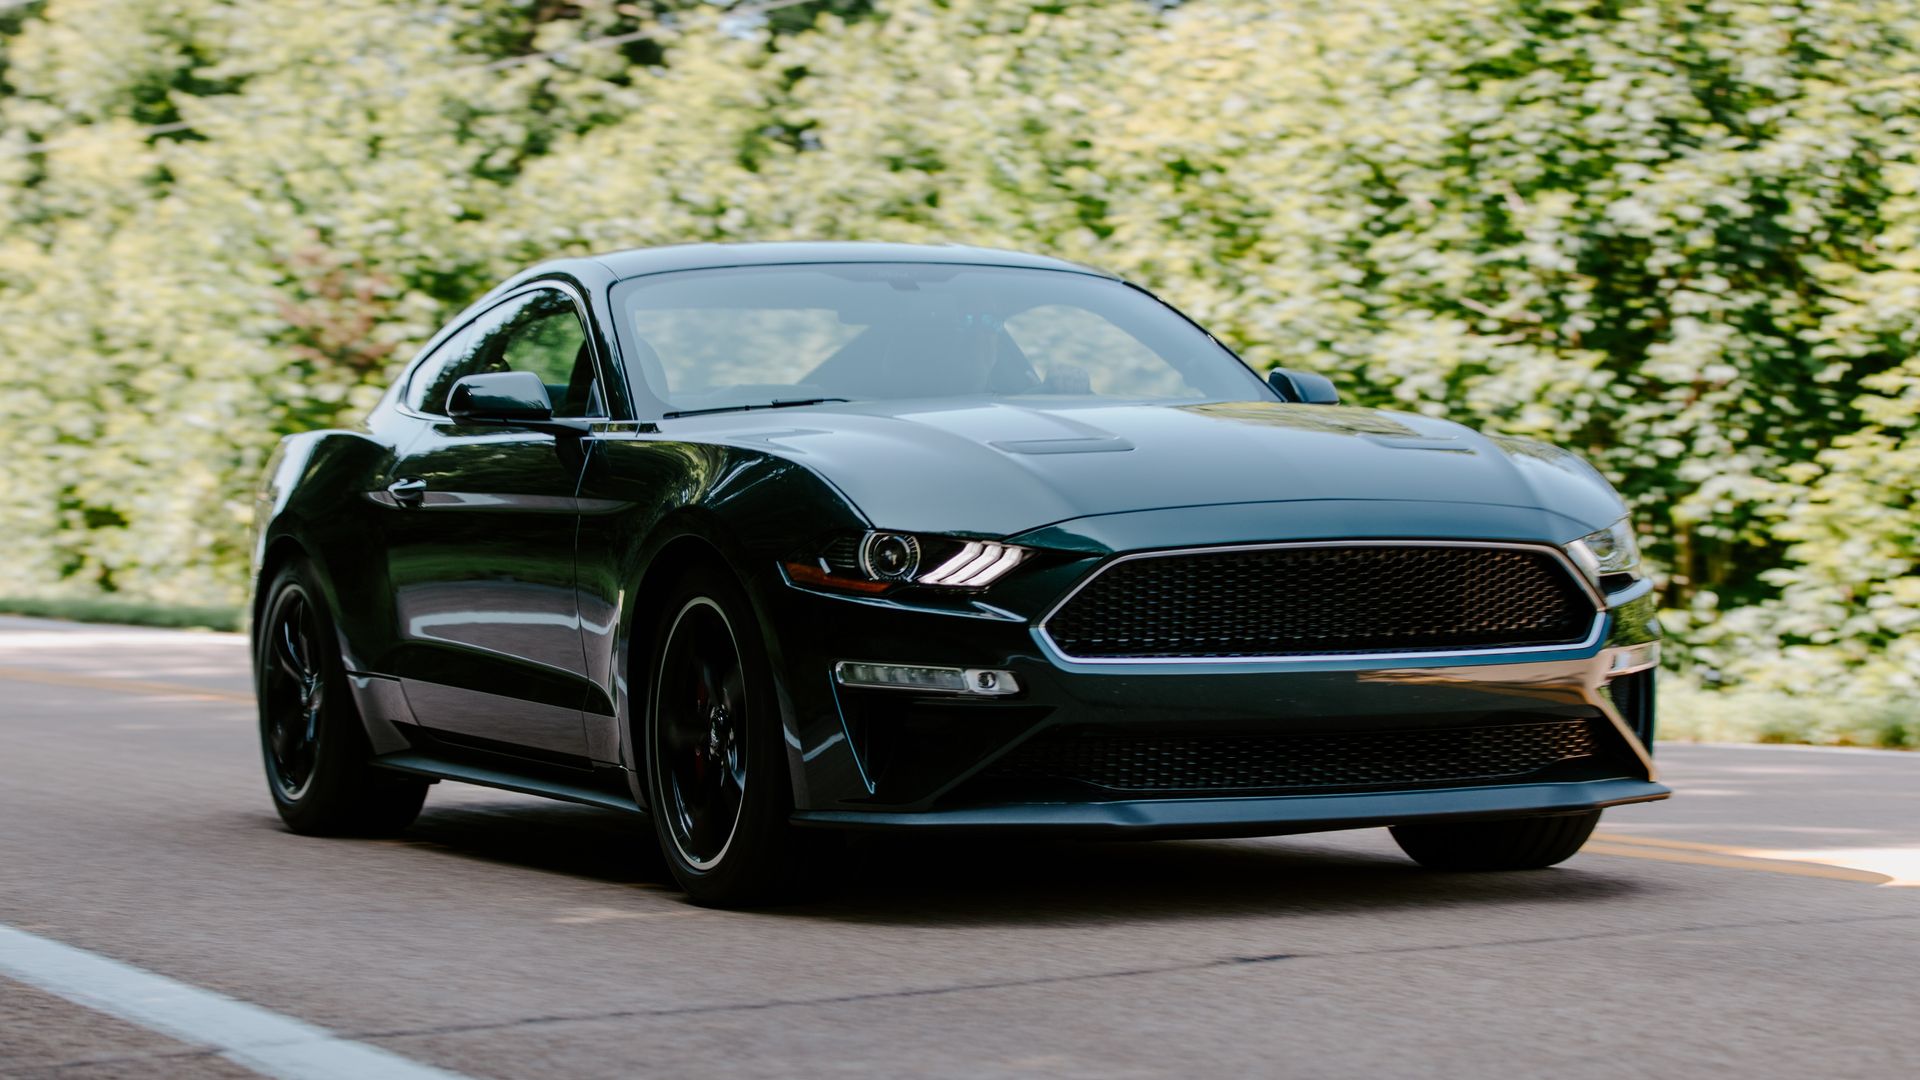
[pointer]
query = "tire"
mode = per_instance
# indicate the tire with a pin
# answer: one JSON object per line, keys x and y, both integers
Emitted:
{"x": 1528, "y": 843}
{"x": 716, "y": 765}
{"x": 312, "y": 741}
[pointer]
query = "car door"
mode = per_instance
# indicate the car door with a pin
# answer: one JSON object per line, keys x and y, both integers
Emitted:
{"x": 479, "y": 531}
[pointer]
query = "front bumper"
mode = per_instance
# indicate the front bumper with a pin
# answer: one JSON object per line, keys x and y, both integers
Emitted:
{"x": 892, "y": 758}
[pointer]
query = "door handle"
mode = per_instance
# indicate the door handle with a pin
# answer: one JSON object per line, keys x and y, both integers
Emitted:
{"x": 408, "y": 491}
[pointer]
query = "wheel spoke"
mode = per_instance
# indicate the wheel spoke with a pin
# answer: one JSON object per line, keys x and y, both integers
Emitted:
{"x": 278, "y": 738}
{"x": 707, "y": 683}
{"x": 679, "y": 738}
{"x": 301, "y": 619}
{"x": 727, "y": 804}
{"x": 733, "y": 689}
{"x": 287, "y": 654}
{"x": 682, "y": 814}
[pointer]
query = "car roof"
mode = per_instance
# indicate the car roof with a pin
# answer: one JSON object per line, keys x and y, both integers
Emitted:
{"x": 659, "y": 260}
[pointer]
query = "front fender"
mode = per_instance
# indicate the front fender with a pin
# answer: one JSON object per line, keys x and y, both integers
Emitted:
{"x": 313, "y": 500}
{"x": 647, "y": 504}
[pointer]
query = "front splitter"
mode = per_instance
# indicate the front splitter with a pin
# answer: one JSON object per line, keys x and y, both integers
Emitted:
{"x": 1273, "y": 815}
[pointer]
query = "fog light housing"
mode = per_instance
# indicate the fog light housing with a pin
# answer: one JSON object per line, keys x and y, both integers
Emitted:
{"x": 1631, "y": 658}
{"x": 983, "y": 682}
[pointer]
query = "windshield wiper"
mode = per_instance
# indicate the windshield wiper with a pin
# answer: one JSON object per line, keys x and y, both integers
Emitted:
{"x": 784, "y": 404}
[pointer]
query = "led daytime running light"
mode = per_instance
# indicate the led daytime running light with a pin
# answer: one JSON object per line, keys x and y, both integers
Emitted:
{"x": 979, "y": 563}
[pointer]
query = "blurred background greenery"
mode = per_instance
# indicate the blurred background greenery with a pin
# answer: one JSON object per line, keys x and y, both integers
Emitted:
{"x": 1678, "y": 237}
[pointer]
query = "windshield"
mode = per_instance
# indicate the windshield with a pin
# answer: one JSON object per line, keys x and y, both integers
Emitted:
{"x": 719, "y": 339}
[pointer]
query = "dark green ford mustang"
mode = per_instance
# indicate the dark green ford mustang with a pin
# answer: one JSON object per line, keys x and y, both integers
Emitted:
{"x": 769, "y": 539}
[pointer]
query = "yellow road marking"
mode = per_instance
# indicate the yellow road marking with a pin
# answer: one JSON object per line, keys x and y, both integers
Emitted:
{"x": 1679, "y": 845}
{"x": 1728, "y": 858}
{"x": 582, "y": 916}
{"x": 124, "y": 686}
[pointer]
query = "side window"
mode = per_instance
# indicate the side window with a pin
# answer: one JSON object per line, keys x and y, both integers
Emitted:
{"x": 427, "y": 392}
{"x": 539, "y": 332}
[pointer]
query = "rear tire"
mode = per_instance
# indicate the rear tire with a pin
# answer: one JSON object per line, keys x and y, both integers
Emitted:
{"x": 716, "y": 764}
{"x": 1528, "y": 843}
{"x": 311, "y": 737}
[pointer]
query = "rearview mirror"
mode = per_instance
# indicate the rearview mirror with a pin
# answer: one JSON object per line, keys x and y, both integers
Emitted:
{"x": 501, "y": 397}
{"x": 1303, "y": 387}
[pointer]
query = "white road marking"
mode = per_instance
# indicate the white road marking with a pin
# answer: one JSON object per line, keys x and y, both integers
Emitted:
{"x": 1799, "y": 748}
{"x": 247, "y": 1035}
{"x": 1901, "y": 865}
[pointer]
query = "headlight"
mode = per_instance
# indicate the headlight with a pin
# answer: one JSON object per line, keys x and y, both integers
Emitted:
{"x": 1612, "y": 550}
{"x": 889, "y": 556}
{"x": 876, "y": 561}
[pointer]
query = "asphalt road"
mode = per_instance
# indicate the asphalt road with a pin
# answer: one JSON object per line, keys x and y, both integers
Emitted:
{"x": 1764, "y": 922}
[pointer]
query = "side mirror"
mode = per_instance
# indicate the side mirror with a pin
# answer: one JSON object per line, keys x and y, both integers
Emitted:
{"x": 501, "y": 397}
{"x": 1303, "y": 387}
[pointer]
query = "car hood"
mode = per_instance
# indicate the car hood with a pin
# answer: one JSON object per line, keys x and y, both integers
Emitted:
{"x": 999, "y": 469}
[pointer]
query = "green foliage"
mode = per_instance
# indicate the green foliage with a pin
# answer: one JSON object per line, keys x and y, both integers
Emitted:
{"x": 110, "y": 609}
{"x": 1676, "y": 236}
{"x": 1689, "y": 713}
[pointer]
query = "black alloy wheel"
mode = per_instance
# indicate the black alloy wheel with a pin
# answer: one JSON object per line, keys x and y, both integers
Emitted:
{"x": 716, "y": 768}
{"x": 702, "y": 712}
{"x": 314, "y": 747}
{"x": 293, "y": 693}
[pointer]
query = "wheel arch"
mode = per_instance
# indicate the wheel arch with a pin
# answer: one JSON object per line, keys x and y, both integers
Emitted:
{"x": 681, "y": 542}
{"x": 679, "y": 552}
{"x": 312, "y": 504}
{"x": 669, "y": 504}
{"x": 278, "y": 552}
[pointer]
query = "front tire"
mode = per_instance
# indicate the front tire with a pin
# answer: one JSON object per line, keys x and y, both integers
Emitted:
{"x": 315, "y": 748}
{"x": 1529, "y": 843}
{"x": 716, "y": 767}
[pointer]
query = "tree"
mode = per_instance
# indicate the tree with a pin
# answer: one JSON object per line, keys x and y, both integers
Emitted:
{"x": 1676, "y": 237}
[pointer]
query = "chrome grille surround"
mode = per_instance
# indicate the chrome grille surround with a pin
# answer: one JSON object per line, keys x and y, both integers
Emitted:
{"x": 1559, "y": 557}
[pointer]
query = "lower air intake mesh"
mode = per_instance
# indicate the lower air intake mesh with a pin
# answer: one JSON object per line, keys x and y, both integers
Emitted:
{"x": 1162, "y": 764}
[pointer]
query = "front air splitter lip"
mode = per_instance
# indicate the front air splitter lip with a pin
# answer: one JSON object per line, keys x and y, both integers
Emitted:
{"x": 1272, "y": 815}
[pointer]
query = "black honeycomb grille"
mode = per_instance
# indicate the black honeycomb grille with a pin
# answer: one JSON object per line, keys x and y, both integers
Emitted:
{"x": 1176, "y": 764}
{"x": 1324, "y": 600}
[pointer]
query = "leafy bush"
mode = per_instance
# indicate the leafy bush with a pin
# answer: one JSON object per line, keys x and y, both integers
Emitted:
{"x": 1678, "y": 237}
{"x": 1752, "y": 714}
